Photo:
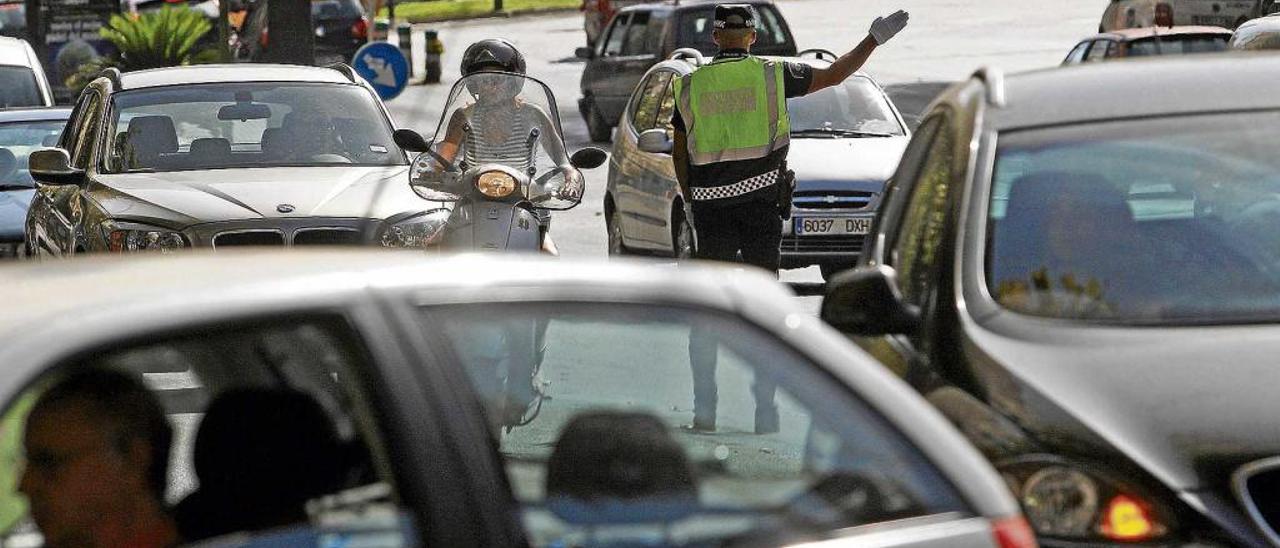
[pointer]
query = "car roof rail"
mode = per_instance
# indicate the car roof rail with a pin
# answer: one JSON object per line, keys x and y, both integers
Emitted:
{"x": 818, "y": 54}
{"x": 346, "y": 70}
{"x": 689, "y": 53}
{"x": 113, "y": 74}
{"x": 994, "y": 79}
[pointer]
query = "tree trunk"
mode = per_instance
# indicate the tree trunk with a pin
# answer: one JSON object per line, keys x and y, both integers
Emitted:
{"x": 291, "y": 38}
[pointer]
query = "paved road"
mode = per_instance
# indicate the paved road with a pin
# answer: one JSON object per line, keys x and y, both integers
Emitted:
{"x": 945, "y": 41}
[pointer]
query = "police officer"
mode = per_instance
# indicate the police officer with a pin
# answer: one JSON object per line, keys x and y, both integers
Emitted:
{"x": 731, "y": 138}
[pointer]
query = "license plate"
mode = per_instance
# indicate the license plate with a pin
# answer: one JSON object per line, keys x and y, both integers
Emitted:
{"x": 816, "y": 226}
{"x": 1212, "y": 20}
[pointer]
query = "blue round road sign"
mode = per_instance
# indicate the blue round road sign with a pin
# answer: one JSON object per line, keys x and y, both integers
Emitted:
{"x": 384, "y": 66}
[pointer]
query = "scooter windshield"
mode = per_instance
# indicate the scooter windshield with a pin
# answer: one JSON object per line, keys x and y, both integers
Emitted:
{"x": 505, "y": 119}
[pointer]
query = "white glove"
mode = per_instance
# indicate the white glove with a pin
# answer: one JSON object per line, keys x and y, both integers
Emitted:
{"x": 883, "y": 28}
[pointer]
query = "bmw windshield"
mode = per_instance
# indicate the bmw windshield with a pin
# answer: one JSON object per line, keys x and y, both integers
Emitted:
{"x": 1171, "y": 220}
{"x": 212, "y": 126}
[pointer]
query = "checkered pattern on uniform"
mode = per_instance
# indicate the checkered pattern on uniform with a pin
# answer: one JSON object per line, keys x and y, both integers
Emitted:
{"x": 745, "y": 186}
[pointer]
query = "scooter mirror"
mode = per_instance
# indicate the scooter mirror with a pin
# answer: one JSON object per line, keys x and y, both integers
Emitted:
{"x": 588, "y": 158}
{"x": 410, "y": 140}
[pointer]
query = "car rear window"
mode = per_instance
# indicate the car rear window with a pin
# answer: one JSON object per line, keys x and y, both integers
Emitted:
{"x": 18, "y": 88}
{"x": 335, "y": 9}
{"x": 695, "y": 28}
{"x": 1175, "y": 45}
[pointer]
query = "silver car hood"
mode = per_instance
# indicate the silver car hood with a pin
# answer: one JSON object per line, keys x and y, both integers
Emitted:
{"x": 184, "y": 198}
{"x": 864, "y": 162}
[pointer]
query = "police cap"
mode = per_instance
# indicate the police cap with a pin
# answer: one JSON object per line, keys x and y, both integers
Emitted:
{"x": 735, "y": 16}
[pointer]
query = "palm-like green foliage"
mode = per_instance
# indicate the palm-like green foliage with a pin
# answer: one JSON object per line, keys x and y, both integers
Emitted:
{"x": 166, "y": 38}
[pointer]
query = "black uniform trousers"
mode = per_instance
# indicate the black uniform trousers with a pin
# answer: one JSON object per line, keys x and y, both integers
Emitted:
{"x": 753, "y": 229}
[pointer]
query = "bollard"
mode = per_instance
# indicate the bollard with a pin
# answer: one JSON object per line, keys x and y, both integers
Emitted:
{"x": 435, "y": 48}
{"x": 403, "y": 32}
{"x": 380, "y": 27}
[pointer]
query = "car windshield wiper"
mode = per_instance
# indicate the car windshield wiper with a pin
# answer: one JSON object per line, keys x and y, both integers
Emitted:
{"x": 16, "y": 186}
{"x": 829, "y": 132}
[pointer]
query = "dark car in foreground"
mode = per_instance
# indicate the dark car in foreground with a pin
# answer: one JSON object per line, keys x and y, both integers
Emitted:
{"x": 404, "y": 356}
{"x": 341, "y": 27}
{"x": 1085, "y": 262}
{"x": 22, "y": 131}
{"x": 221, "y": 156}
{"x": 641, "y": 36}
{"x": 1149, "y": 41}
{"x": 845, "y": 142}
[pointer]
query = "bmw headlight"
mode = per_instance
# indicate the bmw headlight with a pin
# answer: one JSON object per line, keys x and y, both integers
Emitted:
{"x": 495, "y": 184}
{"x": 128, "y": 238}
{"x": 1070, "y": 501}
{"x": 419, "y": 231}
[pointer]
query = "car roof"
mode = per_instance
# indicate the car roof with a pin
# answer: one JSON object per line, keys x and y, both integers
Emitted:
{"x": 1130, "y": 88}
{"x": 14, "y": 51}
{"x": 1148, "y": 32}
{"x": 34, "y": 114}
{"x": 247, "y": 72}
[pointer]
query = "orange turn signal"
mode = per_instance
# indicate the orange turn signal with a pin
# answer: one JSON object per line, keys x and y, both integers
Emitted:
{"x": 1125, "y": 518}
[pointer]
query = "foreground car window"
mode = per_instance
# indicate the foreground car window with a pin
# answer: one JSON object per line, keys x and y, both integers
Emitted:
{"x": 855, "y": 106}
{"x": 20, "y": 139}
{"x": 1174, "y": 220}
{"x": 604, "y": 452}
{"x": 212, "y": 126}
{"x": 18, "y": 88}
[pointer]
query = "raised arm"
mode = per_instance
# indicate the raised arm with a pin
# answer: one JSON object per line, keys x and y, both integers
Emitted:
{"x": 882, "y": 29}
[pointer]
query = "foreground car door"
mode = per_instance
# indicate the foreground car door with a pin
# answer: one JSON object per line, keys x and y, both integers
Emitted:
{"x": 603, "y": 453}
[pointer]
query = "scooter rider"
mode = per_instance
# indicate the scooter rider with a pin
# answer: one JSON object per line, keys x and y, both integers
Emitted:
{"x": 498, "y": 128}
{"x": 731, "y": 137}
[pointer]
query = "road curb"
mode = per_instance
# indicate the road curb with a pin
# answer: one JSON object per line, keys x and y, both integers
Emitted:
{"x": 497, "y": 15}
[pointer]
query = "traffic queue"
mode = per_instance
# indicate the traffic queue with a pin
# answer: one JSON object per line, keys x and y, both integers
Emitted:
{"x": 1047, "y": 318}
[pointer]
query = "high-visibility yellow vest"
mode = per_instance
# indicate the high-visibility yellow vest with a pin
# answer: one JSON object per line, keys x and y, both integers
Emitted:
{"x": 734, "y": 109}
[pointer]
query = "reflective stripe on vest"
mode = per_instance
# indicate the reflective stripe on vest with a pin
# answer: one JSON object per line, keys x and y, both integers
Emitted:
{"x": 734, "y": 109}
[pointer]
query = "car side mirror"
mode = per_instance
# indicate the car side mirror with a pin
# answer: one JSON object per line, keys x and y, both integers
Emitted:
{"x": 866, "y": 301}
{"x": 655, "y": 141}
{"x": 588, "y": 158}
{"x": 53, "y": 166}
{"x": 584, "y": 53}
{"x": 410, "y": 140}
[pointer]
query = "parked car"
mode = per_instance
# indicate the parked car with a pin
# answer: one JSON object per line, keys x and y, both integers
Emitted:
{"x": 1128, "y": 14}
{"x": 1148, "y": 41}
{"x": 22, "y": 131}
{"x": 13, "y": 19}
{"x": 1258, "y": 34}
{"x": 224, "y": 155}
{"x": 845, "y": 142}
{"x": 341, "y": 28}
{"x": 641, "y": 36}
{"x": 22, "y": 79}
{"x": 1090, "y": 255}
{"x": 597, "y": 13}
{"x": 401, "y": 351}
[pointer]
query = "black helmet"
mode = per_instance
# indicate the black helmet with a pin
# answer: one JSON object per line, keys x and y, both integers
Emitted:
{"x": 492, "y": 54}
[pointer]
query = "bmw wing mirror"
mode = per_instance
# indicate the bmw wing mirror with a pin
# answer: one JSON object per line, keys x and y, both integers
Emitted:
{"x": 655, "y": 141}
{"x": 588, "y": 158}
{"x": 866, "y": 301}
{"x": 584, "y": 53}
{"x": 410, "y": 140}
{"x": 53, "y": 166}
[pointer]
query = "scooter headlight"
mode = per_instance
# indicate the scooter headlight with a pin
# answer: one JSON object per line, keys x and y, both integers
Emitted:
{"x": 495, "y": 184}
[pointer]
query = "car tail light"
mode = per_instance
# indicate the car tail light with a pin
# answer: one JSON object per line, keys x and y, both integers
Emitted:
{"x": 360, "y": 29}
{"x": 263, "y": 39}
{"x": 1014, "y": 532}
